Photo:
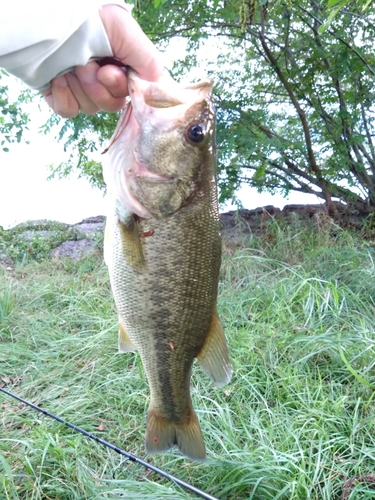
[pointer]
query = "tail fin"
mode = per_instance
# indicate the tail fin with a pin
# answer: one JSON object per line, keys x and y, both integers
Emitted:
{"x": 162, "y": 434}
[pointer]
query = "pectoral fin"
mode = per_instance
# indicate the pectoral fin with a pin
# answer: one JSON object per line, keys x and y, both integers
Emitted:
{"x": 124, "y": 342}
{"x": 214, "y": 355}
{"x": 131, "y": 242}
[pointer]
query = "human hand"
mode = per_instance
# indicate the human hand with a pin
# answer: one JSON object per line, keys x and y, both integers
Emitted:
{"x": 92, "y": 88}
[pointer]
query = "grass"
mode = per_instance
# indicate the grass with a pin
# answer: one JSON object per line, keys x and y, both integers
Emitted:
{"x": 296, "y": 422}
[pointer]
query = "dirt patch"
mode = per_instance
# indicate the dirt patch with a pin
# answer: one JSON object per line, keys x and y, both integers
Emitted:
{"x": 366, "y": 479}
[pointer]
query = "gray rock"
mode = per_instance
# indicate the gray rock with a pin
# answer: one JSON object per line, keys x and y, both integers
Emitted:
{"x": 74, "y": 249}
{"x": 30, "y": 234}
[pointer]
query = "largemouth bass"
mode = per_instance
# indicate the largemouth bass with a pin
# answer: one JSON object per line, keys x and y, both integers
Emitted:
{"x": 163, "y": 250}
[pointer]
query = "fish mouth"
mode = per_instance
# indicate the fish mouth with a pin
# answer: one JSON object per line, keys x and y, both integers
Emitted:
{"x": 142, "y": 172}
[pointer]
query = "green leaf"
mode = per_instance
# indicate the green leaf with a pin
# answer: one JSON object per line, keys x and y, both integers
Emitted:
{"x": 6, "y": 467}
{"x": 329, "y": 20}
{"x": 331, "y": 3}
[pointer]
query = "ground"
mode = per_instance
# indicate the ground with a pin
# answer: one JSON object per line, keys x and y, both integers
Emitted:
{"x": 64, "y": 240}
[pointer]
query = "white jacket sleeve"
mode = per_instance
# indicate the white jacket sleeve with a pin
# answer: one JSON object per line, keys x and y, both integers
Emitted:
{"x": 40, "y": 40}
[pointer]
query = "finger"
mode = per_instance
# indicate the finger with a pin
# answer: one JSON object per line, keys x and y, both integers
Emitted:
{"x": 140, "y": 53}
{"x": 86, "y": 105}
{"x": 106, "y": 87}
{"x": 114, "y": 80}
{"x": 60, "y": 98}
{"x": 130, "y": 44}
{"x": 142, "y": 57}
{"x": 48, "y": 97}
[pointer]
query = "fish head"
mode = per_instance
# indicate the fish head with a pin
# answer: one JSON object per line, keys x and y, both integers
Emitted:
{"x": 165, "y": 152}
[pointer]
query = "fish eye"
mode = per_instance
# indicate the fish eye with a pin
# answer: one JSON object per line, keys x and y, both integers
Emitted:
{"x": 196, "y": 133}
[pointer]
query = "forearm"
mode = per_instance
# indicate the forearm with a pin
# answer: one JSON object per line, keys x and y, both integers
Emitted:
{"x": 59, "y": 40}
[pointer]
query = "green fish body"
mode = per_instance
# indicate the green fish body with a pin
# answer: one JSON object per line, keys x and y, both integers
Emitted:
{"x": 163, "y": 251}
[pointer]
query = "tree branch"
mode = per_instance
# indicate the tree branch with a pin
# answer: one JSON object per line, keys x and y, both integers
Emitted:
{"x": 361, "y": 175}
{"x": 331, "y": 32}
{"x": 366, "y": 127}
{"x": 310, "y": 153}
{"x": 337, "y": 191}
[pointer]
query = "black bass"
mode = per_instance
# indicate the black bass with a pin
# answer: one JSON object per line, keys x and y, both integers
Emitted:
{"x": 163, "y": 250}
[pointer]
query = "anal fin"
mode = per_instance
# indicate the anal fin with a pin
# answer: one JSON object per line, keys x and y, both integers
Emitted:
{"x": 214, "y": 355}
{"x": 124, "y": 342}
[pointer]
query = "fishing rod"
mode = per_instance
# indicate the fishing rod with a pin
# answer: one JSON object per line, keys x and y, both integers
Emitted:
{"x": 118, "y": 450}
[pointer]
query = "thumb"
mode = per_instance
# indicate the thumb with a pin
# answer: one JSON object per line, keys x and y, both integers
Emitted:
{"x": 130, "y": 44}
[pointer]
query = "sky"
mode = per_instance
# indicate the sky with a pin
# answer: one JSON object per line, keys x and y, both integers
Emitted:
{"x": 26, "y": 194}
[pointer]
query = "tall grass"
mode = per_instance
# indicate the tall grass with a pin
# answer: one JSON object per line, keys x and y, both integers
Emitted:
{"x": 296, "y": 422}
{"x": 6, "y": 303}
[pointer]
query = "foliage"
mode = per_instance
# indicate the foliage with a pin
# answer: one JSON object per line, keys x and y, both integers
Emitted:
{"x": 13, "y": 119}
{"x": 34, "y": 240}
{"x": 295, "y": 105}
{"x": 335, "y": 6}
{"x": 84, "y": 136}
{"x": 296, "y": 422}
